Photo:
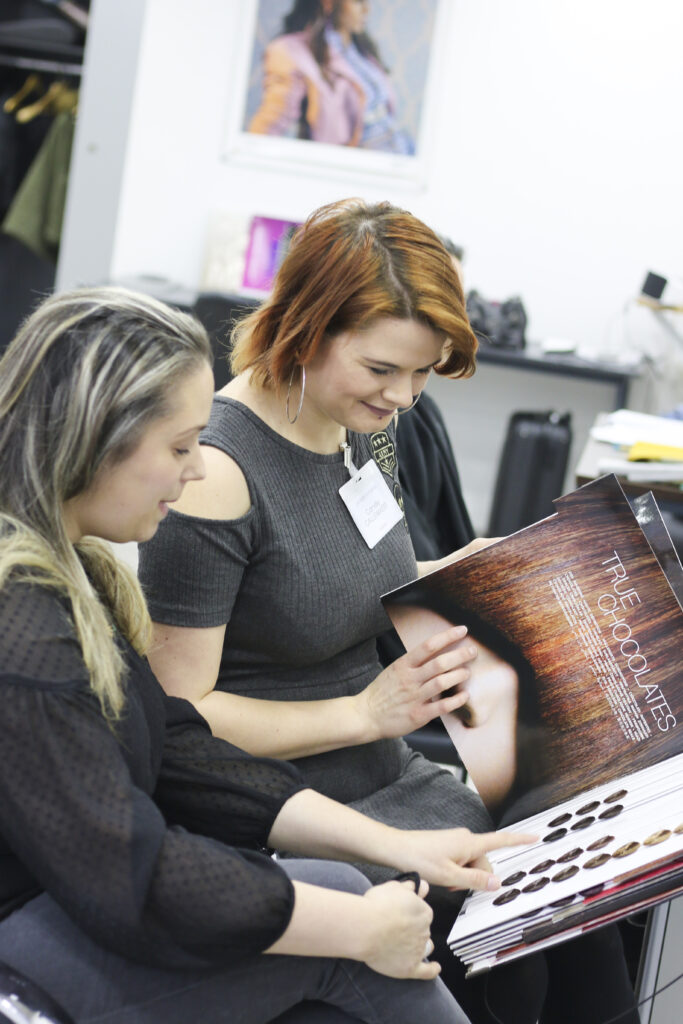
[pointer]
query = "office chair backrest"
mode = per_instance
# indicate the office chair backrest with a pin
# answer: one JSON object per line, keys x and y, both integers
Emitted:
{"x": 218, "y": 313}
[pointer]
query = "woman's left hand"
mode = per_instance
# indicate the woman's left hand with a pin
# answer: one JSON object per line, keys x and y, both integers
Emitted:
{"x": 456, "y": 857}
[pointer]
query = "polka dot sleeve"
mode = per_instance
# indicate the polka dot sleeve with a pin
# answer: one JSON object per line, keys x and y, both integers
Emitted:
{"x": 78, "y": 818}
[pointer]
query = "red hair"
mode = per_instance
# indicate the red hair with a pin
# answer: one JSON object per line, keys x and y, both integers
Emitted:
{"x": 349, "y": 265}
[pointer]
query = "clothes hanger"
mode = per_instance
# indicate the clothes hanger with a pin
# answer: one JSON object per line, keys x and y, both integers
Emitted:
{"x": 58, "y": 98}
{"x": 32, "y": 84}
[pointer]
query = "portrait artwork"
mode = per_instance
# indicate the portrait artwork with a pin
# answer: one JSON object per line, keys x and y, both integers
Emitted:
{"x": 351, "y": 74}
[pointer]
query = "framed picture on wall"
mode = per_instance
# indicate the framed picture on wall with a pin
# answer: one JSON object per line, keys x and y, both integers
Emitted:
{"x": 346, "y": 85}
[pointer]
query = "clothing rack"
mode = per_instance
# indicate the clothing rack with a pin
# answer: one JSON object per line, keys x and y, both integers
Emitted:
{"x": 50, "y": 48}
{"x": 54, "y": 67}
{"x": 51, "y": 45}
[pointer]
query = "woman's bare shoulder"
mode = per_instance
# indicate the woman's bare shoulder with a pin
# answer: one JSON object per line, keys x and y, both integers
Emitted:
{"x": 222, "y": 494}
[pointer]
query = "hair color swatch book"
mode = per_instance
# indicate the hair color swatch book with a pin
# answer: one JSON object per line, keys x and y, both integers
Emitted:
{"x": 573, "y": 730}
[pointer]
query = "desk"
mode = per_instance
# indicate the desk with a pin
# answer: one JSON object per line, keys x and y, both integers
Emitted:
{"x": 587, "y": 469}
{"x": 533, "y": 358}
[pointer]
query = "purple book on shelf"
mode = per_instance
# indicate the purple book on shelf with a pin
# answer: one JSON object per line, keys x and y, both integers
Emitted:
{"x": 268, "y": 242}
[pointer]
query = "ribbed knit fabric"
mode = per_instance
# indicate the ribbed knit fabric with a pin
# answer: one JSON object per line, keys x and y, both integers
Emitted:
{"x": 300, "y": 591}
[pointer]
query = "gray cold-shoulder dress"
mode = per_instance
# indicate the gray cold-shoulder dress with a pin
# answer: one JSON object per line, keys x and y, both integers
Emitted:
{"x": 300, "y": 592}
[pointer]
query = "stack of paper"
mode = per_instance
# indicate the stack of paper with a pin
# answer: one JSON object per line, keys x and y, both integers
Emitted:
{"x": 645, "y": 447}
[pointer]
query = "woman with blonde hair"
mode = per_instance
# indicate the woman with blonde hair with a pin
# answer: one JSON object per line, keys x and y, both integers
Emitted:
{"x": 135, "y": 880}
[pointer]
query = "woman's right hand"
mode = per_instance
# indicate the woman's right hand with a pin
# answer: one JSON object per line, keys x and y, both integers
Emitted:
{"x": 399, "y": 939}
{"x": 409, "y": 692}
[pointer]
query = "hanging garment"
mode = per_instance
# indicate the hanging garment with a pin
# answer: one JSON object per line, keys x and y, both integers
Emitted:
{"x": 19, "y": 143}
{"x": 36, "y": 213}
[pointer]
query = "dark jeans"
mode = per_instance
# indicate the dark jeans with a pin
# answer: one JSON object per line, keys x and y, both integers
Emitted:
{"x": 99, "y": 987}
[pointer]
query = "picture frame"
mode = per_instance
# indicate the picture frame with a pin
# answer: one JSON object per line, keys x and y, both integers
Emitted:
{"x": 410, "y": 37}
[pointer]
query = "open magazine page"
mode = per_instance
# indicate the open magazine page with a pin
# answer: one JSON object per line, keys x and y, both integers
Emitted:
{"x": 653, "y": 526}
{"x": 574, "y": 726}
{"x": 598, "y": 856}
{"x": 578, "y": 679}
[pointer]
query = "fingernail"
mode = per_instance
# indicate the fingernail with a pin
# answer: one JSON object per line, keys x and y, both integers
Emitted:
{"x": 493, "y": 883}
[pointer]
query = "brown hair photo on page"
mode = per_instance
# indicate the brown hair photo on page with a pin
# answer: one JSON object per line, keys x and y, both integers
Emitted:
{"x": 575, "y": 624}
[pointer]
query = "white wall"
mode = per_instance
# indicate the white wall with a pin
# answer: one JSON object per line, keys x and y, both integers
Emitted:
{"x": 555, "y": 159}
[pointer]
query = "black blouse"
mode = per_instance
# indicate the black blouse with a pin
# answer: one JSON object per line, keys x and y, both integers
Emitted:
{"x": 149, "y": 832}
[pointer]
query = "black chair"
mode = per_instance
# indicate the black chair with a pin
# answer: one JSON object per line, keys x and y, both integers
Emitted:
{"x": 219, "y": 312}
{"x": 24, "y": 1002}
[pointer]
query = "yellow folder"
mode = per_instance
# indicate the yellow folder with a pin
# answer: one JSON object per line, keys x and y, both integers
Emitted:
{"x": 646, "y": 451}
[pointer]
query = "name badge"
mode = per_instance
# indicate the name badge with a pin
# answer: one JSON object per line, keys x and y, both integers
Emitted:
{"x": 373, "y": 507}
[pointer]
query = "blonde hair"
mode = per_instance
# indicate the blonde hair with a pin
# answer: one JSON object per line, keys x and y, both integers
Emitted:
{"x": 86, "y": 374}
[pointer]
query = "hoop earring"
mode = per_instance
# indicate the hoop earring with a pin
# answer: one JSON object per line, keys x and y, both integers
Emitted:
{"x": 289, "y": 391}
{"x": 409, "y": 407}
